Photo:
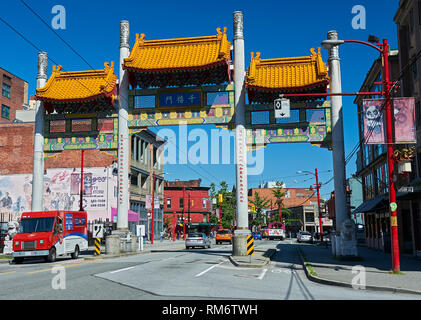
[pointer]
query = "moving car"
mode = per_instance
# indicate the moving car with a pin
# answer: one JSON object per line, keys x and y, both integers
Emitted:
{"x": 223, "y": 235}
{"x": 304, "y": 236}
{"x": 257, "y": 235}
{"x": 197, "y": 239}
{"x": 273, "y": 231}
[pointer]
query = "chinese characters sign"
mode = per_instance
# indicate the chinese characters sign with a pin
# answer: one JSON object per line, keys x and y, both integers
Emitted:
{"x": 180, "y": 99}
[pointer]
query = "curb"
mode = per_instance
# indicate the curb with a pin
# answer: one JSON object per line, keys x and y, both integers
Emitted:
{"x": 126, "y": 254}
{"x": 348, "y": 285}
{"x": 251, "y": 265}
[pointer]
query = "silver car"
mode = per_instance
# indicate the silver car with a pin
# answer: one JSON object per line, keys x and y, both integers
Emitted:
{"x": 304, "y": 236}
{"x": 197, "y": 239}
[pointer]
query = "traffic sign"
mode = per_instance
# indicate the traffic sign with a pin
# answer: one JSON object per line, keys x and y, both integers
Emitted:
{"x": 282, "y": 108}
{"x": 98, "y": 231}
{"x": 250, "y": 245}
{"x": 406, "y": 189}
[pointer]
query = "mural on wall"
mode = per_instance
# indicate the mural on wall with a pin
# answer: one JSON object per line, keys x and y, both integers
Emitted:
{"x": 15, "y": 196}
{"x": 61, "y": 192}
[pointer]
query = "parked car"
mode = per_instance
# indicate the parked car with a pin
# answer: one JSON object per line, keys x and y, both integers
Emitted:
{"x": 223, "y": 235}
{"x": 257, "y": 235}
{"x": 197, "y": 239}
{"x": 304, "y": 236}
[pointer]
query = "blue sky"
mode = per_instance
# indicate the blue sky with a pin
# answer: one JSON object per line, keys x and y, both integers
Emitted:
{"x": 275, "y": 28}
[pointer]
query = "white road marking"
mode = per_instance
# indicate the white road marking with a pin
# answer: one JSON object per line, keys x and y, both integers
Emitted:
{"x": 208, "y": 269}
{"x": 121, "y": 270}
{"x": 262, "y": 274}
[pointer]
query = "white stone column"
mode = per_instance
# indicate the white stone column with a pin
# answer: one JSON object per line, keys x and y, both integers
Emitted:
{"x": 239, "y": 243}
{"x": 123, "y": 132}
{"x": 38, "y": 168}
{"x": 338, "y": 148}
{"x": 240, "y": 121}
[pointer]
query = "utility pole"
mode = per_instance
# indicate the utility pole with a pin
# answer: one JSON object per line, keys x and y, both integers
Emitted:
{"x": 153, "y": 206}
{"x": 184, "y": 222}
{"x": 318, "y": 204}
{"x": 81, "y": 183}
{"x": 188, "y": 230}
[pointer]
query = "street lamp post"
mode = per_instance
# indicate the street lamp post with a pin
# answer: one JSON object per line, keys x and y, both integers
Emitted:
{"x": 383, "y": 48}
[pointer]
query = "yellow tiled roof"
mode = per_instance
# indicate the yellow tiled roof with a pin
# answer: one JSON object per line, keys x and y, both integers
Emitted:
{"x": 177, "y": 54}
{"x": 78, "y": 85}
{"x": 287, "y": 73}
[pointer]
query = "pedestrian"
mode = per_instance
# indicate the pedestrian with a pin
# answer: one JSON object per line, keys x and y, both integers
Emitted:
{"x": 162, "y": 236}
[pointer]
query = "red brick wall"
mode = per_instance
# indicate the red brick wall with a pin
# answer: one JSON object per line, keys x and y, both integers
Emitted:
{"x": 17, "y": 146}
{"x": 306, "y": 196}
{"x": 17, "y": 94}
{"x": 196, "y": 197}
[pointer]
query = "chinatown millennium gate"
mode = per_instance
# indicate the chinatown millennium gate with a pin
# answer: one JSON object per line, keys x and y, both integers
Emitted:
{"x": 189, "y": 81}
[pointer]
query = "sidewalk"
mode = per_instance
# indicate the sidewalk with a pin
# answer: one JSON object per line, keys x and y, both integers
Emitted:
{"x": 321, "y": 266}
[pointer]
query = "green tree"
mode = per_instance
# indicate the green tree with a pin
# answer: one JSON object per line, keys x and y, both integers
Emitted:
{"x": 280, "y": 196}
{"x": 227, "y": 206}
{"x": 259, "y": 203}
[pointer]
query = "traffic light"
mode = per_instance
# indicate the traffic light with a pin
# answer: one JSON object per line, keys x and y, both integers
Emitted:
{"x": 220, "y": 200}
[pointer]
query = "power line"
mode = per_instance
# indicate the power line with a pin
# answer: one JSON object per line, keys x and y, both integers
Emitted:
{"x": 48, "y": 26}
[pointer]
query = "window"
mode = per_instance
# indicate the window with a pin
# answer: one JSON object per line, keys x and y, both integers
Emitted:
{"x": 204, "y": 203}
{"x": 168, "y": 203}
{"x": 7, "y": 78}
{"x": 134, "y": 180}
{"x": 419, "y": 12}
{"x": 5, "y": 90}
{"x": 5, "y": 112}
{"x": 411, "y": 20}
{"x": 181, "y": 203}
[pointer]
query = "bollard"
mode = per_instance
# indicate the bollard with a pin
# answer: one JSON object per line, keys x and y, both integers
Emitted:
{"x": 97, "y": 250}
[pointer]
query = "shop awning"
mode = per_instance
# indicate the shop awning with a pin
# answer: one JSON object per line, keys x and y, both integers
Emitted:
{"x": 133, "y": 216}
{"x": 370, "y": 205}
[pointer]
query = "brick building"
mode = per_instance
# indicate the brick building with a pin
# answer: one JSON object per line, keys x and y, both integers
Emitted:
{"x": 294, "y": 197}
{"x": 189, "y": 200}
{"x": 302, "y": 204}
{"x": 14, "y": 96}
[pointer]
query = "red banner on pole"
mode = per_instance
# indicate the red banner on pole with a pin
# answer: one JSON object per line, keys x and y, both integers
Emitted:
{"x": 373, "y": 121}
{"x": 404, "y": 111}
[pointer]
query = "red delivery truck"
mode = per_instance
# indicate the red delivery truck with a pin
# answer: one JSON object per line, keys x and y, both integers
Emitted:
{"x": 50, "y": 234}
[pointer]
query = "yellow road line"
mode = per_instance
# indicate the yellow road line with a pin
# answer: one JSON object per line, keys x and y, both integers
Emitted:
{"x": 65, "y": 266}
{"x": 7, "y": 272}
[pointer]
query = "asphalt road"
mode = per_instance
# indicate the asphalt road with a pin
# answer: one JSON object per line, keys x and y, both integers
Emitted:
{"x": 180, "y": 274}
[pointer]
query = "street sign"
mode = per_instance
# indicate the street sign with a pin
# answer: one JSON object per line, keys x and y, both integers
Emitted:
{"x": 282, "y": 108}
{"x": 406, "y": 189}
{"x": 98, "y": 231}
{"x": 140, "y": 230}
{"x": 250, "y": 245}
